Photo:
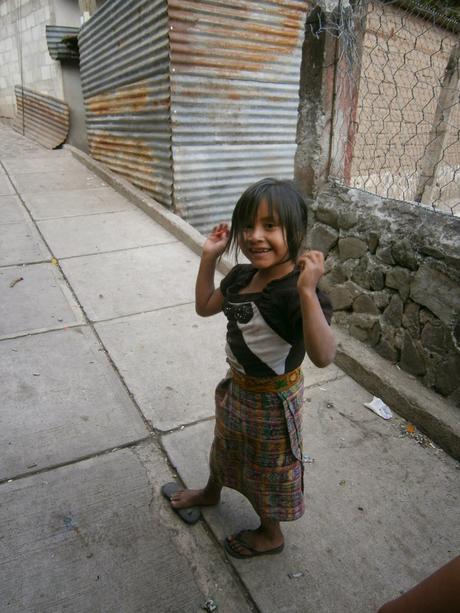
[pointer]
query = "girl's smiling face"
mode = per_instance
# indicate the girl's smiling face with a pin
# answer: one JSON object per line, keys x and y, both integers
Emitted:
{"x": 263, "y": 241}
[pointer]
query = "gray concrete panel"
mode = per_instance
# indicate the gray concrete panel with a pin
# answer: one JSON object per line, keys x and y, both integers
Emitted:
{"x": 21, "y": 244}
{"x": 63, "y": 401}
{"x": 33, "y": 182}
{"x": 171, "y": 360}
{"x": 11, "y": 210}
{"x": 6, "y": 188}
{"x": 35, "y": 298}
{"x": 46, "y": 205}
{"x": 382, "y": 511}
{"x": 13, "y": 144}
{"x": 105, "y": 232}
{"x": 26, "y": 148}
{"x": 314, "y": 375}
{"x": 111, "y": 285}
{"x": 57, "y": 161}
{"x": 90, "y": 538}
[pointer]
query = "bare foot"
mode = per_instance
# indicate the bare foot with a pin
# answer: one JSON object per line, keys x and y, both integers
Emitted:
{"x": 194, "y": 498}
{"x": 257, "y": 540}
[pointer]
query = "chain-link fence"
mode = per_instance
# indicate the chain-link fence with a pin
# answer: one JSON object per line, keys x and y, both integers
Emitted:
{"x": 405, "y": 100}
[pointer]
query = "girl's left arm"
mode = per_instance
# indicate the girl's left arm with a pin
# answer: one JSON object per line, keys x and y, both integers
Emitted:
{"x": 318, "y": 338}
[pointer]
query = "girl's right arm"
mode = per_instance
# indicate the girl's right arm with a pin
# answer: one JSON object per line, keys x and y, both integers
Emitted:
{"x": 208, "y": 300}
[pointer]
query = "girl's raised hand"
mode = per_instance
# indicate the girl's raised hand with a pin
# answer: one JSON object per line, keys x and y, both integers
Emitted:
{"x": 217, "y": 240}
{"x": 311, "y": 264}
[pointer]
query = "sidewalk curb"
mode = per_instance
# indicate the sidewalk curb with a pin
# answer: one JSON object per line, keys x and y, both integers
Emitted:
{"x": 174, "y": 224}
{"x": 403, "y": 393}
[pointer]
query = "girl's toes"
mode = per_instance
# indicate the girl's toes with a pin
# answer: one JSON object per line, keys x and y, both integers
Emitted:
{"x": 176, "y": 497}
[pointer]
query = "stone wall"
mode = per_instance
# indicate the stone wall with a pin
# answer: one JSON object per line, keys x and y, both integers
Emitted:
{"x": 393, "y": 275}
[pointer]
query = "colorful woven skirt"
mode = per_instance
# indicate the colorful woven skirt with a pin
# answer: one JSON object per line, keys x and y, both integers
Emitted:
{"x": 257, "y": 448}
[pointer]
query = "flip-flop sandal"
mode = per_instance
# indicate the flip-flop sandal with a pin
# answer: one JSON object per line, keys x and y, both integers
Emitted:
{"x": 190, "y": 515}
{"x": 252, "y": 552}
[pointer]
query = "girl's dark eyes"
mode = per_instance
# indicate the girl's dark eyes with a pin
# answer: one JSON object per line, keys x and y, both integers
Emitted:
{"x": 268, "y": 226}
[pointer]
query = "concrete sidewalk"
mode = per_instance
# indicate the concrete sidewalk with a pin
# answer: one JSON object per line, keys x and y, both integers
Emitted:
{"x": 107, "y": 386}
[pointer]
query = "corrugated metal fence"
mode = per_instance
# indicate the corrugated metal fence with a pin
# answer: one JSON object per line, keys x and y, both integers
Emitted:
{"x": 234, "y": 90}
{"x": 42, "y": 118}
{"x": 124, "y": 65}
{"x": 59, "y": 40}
{"x": 194, "y": 100}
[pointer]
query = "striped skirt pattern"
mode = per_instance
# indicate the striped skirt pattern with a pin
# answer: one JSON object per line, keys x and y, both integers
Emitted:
{"x": 257, "y": 448}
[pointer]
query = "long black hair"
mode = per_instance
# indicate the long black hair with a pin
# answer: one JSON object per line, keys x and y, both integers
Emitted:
{"x": 281, "y": 196}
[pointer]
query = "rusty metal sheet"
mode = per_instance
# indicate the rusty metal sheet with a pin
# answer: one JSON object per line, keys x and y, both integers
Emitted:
{"x": 42, "y": 118}
{"x": 124, "y": 66}
{"x": 193, "y": 100}
{"x": 60, "y": 42}
{"x": 209, "y": 180}
{"x": 235, "y": 69}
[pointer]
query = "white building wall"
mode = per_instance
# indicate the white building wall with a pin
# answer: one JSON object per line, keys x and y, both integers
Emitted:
{"x": 67, "y": 12}
{"x": 24, "y": 57}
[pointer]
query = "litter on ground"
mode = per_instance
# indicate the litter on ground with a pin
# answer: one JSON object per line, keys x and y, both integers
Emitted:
{"x": 13, "y": 283}
{"x": 379, "y": 408}
{"x": 295, "y": 575}
{"x": 410, "y": 431}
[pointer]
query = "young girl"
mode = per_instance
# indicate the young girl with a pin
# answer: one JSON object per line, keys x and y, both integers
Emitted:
{"x": 274, "y": 314}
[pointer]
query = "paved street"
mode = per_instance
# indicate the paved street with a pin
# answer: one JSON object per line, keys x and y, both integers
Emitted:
{"x": 107, "y": 379}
